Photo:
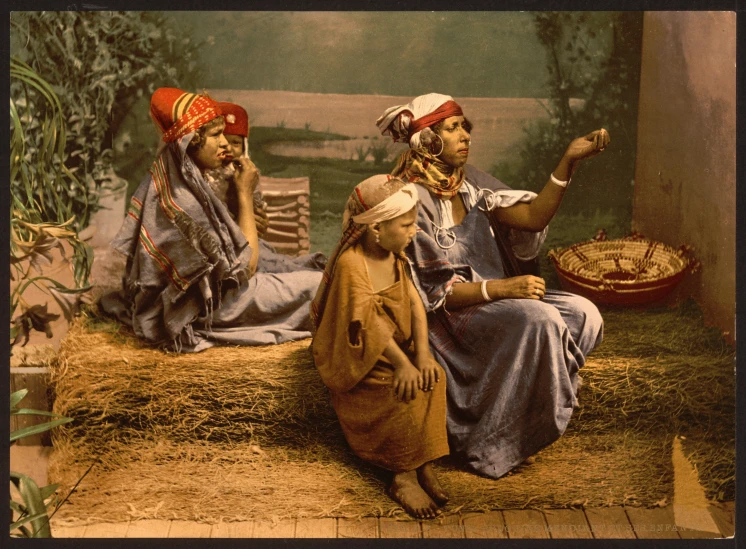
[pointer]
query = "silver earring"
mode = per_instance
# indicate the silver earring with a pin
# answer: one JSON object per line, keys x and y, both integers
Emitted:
{"x": 378, "y": 238}
{"x": 431, "y": 146}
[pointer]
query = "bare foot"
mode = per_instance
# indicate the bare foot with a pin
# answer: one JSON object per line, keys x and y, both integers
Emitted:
{"x": 406, "y": 490}
{"x": 431, "y": 485}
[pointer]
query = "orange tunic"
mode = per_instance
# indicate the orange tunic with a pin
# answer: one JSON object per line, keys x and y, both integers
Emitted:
{"x": 356, "y": 327}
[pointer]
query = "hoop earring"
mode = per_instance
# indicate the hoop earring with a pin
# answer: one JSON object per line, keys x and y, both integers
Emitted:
{"x": 431, "y": 146}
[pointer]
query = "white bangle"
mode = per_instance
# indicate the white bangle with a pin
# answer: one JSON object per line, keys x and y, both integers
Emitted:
{"x": 485, "y": 295}
{"x": 557, "y": 181}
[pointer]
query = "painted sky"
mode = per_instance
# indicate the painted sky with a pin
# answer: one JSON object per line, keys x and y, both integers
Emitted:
{"x": 465, "y": 54}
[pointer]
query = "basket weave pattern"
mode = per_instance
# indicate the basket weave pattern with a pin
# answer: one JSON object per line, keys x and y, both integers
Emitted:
{"x": 623, "y": 271}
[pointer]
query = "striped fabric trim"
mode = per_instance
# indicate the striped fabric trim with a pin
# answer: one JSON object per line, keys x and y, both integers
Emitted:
{"x": 360, "y": 199}
{"x": 427, "y": 263}
{"x": 162, "y": 259}
{"x": 182, "y": 104}
{"x": 462, "y": 319}
{"x": 135, "y": 209}
{"x": 163, "y": 189}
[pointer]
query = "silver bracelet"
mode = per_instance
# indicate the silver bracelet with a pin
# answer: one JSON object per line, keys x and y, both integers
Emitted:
{"x": 557, "y": 181}
{"x": 485, "y": 295}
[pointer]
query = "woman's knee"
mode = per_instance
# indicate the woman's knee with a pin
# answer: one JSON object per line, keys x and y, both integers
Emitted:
{"x": 590, "y": 314}
{"x": 585, "y": 322}
{"x": 539, "y": 316}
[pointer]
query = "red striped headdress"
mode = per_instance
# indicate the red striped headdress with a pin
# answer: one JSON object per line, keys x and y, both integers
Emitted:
{"x": 177, "y": 113}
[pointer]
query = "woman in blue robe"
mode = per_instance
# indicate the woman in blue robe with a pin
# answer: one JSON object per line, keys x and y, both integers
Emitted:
{"x": 511, "y": 348}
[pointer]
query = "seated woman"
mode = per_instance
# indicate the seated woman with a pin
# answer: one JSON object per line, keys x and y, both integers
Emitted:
{"x": 511, "y": 348}
{"x": 371, "y": 347}
{"x": 191, "y": 278}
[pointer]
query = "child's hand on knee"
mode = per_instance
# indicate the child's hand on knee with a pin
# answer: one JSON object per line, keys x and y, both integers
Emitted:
{"x": 429, "y": 369}
{"x": 407, "y": 381}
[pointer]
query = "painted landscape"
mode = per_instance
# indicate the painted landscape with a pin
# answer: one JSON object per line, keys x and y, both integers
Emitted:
{"x": 498, "y": 121}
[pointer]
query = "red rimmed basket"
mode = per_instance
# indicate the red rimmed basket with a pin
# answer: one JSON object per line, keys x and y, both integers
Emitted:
{"x": 626, "y": 271}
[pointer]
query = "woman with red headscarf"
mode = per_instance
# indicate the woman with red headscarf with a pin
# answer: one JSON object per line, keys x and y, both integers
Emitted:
{"x": 510, "y": 347}
{"x": 192, "y": 279}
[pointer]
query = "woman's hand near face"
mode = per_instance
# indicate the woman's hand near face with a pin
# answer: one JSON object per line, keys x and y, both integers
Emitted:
{"x": 246, "y": 178}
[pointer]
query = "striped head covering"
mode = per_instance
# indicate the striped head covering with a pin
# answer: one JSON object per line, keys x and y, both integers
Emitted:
{"x": 177, "y": 113}
{"x": 378, "y": 198}
{"x": 419, "y": 165}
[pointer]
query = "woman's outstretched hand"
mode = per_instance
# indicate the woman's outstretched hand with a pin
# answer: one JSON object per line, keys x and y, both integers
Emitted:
{"x": 587, "y": 146}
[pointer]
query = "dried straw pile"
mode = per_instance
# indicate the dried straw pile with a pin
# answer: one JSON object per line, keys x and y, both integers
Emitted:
{"x": 118, "y": 389}
{"x": 663, "y": 371}
{"x": 237, "y": 433}
{"x": 211, "y": 482}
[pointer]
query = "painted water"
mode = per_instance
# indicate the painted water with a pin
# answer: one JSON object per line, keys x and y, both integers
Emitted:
{"x": 362, "y": 149}
{"x": 498, "y": 121}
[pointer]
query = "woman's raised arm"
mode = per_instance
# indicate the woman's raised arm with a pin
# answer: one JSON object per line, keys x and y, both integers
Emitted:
{"x": 536, "y": 215}
{"x": 247, "y": 178}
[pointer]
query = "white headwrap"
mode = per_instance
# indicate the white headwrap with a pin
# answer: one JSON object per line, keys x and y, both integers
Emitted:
{"x": 395, "y": 205}
{"x": 395, "y": 121}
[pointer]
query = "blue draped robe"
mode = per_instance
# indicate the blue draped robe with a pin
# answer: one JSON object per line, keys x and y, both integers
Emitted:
{"x": 511, "y": 364}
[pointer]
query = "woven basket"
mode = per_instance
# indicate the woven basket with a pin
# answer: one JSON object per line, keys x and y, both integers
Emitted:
{"x": 627, "y": 271}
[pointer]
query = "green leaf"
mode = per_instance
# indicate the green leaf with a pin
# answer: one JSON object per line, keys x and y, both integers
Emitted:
{"x": 39, "y": 516}
{"x": 17, "y": 397}
{"x": 36, "y": 429}
{"x": 29, "y": 412}
{"x": 34, "y": 504}
{"x": 48, "y": 491}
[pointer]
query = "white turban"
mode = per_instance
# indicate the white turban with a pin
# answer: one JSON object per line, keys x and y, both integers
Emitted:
{"x": 396, "y": 121}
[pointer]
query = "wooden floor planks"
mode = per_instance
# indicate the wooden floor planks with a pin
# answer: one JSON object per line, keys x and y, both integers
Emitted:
{"x": 357, "y": 528}
{"x": 489, "y": 525}
{"x": 567, "y": 524}
{"x": 598, "y": 523}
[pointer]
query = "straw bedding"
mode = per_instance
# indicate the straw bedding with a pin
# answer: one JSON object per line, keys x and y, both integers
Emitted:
{"x": 238, "y": 433}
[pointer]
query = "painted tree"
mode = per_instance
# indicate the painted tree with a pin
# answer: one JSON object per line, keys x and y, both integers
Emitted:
{"x": 593, "y": 57}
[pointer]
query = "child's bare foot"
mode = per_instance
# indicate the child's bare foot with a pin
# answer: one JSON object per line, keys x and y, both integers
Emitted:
{"x": 431, "y": 485}
{"x": 406, "y": 490}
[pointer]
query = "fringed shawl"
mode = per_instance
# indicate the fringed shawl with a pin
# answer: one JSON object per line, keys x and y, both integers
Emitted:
{"x": 181, "y": 245}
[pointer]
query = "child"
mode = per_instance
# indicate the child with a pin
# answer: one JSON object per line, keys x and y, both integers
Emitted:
{"x": 236, "y": 132}
{"x": 371, "y": 346}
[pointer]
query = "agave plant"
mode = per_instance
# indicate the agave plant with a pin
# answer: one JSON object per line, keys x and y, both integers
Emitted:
{"x": 29, "y": 512}
{"x": 41, "y": 207}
